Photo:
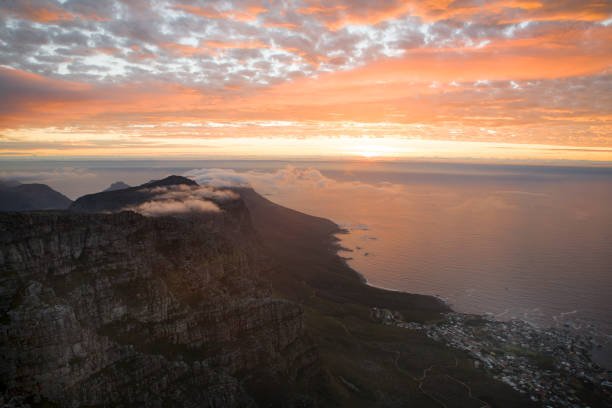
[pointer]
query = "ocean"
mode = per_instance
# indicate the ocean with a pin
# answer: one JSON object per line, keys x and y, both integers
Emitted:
{"x": 532, "y": 243}
{"x": 513, "y": 242}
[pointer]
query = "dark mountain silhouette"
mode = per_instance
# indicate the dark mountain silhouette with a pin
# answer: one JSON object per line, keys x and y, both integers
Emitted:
{"x": 116, "y": 200}
{"x": 170, "y": 181}
{"x": 25, "y": 197}
{"x": 118, "y": 185}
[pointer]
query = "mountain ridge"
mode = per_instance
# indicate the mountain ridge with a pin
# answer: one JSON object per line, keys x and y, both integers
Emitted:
{"x": 117, "y": 200}
{"x": 28, "y": 197}
{"x": 117, "y": 185}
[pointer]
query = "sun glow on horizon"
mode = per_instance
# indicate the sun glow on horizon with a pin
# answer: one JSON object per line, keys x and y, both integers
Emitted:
{"x": 379, "y": 148}
{"x": 368, "y": 154}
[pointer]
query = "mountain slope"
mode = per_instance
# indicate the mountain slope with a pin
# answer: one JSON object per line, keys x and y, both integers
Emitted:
{"x": 290, "y": 235}
{"x": 117, "y": 200}
{"x": 26, "y": 197}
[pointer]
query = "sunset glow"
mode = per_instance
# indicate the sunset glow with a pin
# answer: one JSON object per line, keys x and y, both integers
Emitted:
{"x": 507, "y": 80}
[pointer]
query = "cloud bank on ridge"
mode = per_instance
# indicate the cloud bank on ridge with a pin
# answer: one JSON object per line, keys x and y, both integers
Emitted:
{"x": 183, "y": 199}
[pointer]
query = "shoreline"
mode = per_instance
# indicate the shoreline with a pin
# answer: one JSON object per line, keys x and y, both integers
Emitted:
{"x": 337, "y": 248}
{"x": 600, "y": 352}
{"x": 339, "y": 301}
{"x": 489, "y": 316}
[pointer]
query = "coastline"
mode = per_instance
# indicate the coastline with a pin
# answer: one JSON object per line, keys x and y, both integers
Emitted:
{"x": 602, "y": 346}
{"x": 544, "y": 368}
{"x": 339, "y": 305}
{"x": 339, "y": 248}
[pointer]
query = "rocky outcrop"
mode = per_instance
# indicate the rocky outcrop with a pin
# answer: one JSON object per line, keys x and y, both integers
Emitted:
{"x": 120, "y": 309}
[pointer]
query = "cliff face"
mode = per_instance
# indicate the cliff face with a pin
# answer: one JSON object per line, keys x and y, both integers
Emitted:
{"x": 121, "y": 310}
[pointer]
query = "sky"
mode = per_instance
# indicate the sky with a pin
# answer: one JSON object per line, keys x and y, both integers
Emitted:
{"x": 499, "y": 79}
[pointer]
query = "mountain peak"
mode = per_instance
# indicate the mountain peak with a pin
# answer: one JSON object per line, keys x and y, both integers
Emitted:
{"x": 117, "y": 200}
{"x": 26, "y": 197}
{"x": 117, "y": 185}
{"x": 170, "y": 181}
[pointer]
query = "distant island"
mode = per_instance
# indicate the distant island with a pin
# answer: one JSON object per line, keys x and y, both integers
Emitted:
{"x": 176, "y": 294}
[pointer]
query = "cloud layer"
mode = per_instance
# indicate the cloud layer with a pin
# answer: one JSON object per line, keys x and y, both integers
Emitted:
{"x": 412, "y": 191}
{"x": 183, "y": 199}
{"x": 166, "y": 207}
{"x": 134, "y": 73}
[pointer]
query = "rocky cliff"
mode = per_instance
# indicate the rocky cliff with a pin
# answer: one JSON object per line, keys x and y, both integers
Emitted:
{"x": 120, "y": 309}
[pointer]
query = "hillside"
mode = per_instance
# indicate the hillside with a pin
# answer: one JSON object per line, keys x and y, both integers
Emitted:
{"x": 27, "y": 197}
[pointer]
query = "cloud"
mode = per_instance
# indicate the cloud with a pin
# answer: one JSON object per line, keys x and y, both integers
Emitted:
{"x": 219, "y": 177}
{"x": 166, "y": 207}
{"x": 190, "y": 43}
{"x": 417, "y": 191}
{"x": 37, "y": 11}
{"x": 247, "y": 14}
{"x": 523, "y": 193}
{"x": 182, "y": 199}
{"x": 45, "y": 176}
{"x": 184, "y": 192}
{"x": 286, "y": 181}
{"x": 288, "y": 178}
{"x": 109, "y": 65}
{"x": 303, "y": 189}
{"x": 22, "y": 88}
{"x": 40, "y": 101}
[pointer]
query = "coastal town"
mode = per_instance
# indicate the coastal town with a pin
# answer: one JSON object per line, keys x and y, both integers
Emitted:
{"x": 552, "y": 366}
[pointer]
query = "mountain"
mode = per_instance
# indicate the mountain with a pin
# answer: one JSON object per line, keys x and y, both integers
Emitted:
{"x": 118, "y": 185}
{"x": 116, "y": 200}
{"x": 125, "y": 310}
{"x": 26, "y": 197}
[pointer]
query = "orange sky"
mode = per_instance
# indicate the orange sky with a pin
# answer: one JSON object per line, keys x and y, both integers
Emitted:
{"x": 308, "y": 77}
